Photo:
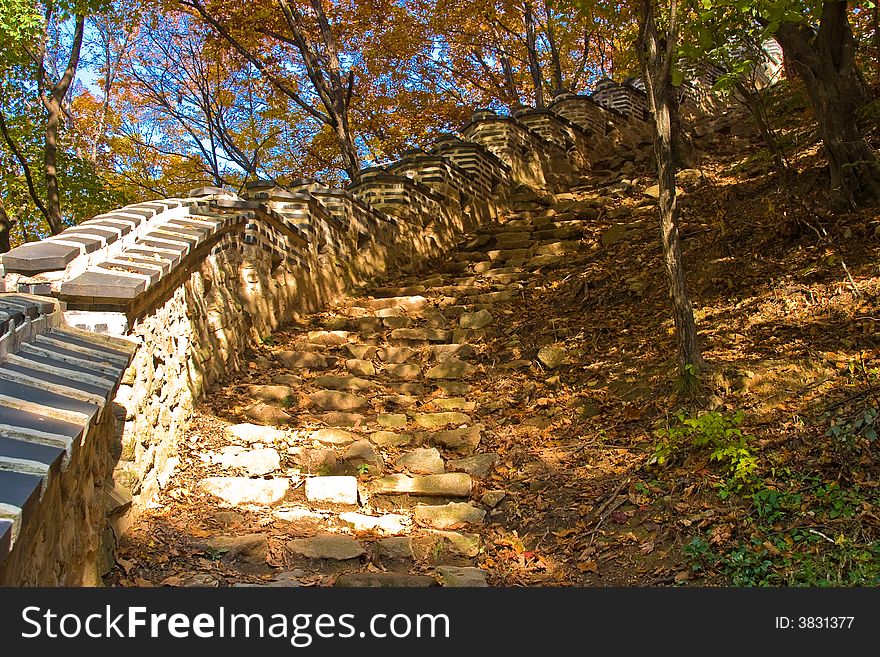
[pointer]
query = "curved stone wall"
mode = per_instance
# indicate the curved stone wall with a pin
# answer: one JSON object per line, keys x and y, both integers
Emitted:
{"x": 142, "y": 309}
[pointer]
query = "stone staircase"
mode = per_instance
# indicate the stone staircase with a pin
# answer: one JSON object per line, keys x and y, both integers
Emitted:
{"x": 358, "y": 447}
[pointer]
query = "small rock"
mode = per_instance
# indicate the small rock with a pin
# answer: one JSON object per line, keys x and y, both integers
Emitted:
{"x": 390, "y": 439}
{"x": 390, "y": 523}
{"x": 342, "y": 383}
{"x": 442, "y": 542}
{"x": 449, "y": 516}
{"x": 396, "y": 354}
{"x": 287, "y": 380}
{"x": 551, "y": 356}
{"x": 492, "y": 498}
{"x": 461, "y": 576}
{"x": 422, "y": 461}
{"x": 454, "y": 404}
{"x": 456, "y": 484}
{"x": 377, "y": 580}
{"x": 478, "y": 465}
{"x": 362, "y": 351}
{"x": 255, "y": 462}
{"x": 332, "y": 436}
{"x": 393, "y": 550}
{"x": 236, "y": 491}
{"x": 267, "y": 414}
{"x": 270, "y": 393}
{"x": 435, "y": 420}
{"x": 421, "y": 334}
{"x": 444, "y": 352}
{"x": 333, "y": 400}
{"x": 403, "y": 371}
{"x": 362, "y": 367}
{"x": 337, "y": 490}
{"x": 477, "y": 320}
{"x": 253, "y": 433}
{"x": 327, "y": 546}
{"x": 459, "y": 440}
{"x": 302, "y": 360}
{"x": 247, "y": 545}
{"x": 363, "y": 452}
{"x": 398, "y": 420}
{"x": 451, "y": 368}
{"x": 328, "y": 338}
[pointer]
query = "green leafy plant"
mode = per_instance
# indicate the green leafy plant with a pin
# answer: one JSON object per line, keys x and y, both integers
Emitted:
{"x": 713, "y": 433}
{"x": 363, "y": 469}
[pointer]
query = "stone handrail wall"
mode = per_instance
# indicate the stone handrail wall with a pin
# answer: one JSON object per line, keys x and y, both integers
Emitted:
{"x": 142, "y": 309}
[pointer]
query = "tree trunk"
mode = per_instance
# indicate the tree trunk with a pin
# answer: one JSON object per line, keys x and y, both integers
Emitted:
{"x": 6, "y": 224}
{"x": 558, "y": 81}
{"x": 657, "y": 72}
{"x": 53, "y": 196}
{"x": 825, "y": 62}
{"x": 509, "y": 83}
{"x": 534, "y": 64}
{"x": 875, "y": 33}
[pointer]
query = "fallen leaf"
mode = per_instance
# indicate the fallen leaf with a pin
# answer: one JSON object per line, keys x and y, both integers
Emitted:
{"x": 588, "y": 566}
{"x": 682, "y": 576}
{"x": 647, "y": 548}
{"x": 173, "y": 580}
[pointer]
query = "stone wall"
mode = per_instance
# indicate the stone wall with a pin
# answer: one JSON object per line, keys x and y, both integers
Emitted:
{"x": 192, "y": 282}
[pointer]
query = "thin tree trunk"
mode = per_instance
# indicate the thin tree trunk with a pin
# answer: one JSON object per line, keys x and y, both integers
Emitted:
{"x": 754, "y": 103}
{"x": 825, "y": 62}
{"x": 534, "y": 64}
{"x": 50, "y": 163}
{"x": 53, "y": 97}
{"x": 558, "y": 81}
{"x": 6, "y": 224}
{"x": 657, "y": 72}
{"x": 509, "y": 83}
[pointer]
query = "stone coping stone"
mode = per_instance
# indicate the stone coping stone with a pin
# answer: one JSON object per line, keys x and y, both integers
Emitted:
{"x": 25, "y": 420}
{"x": 42, "y": 397}
{"x": 48, "y": 377}
{"x": 19, "y": 488}
{"x": 62, "y": 353}
{"x": 15, "y": 307}
{"x": 36, "y": 257}
{"x": 61, "y": 366}
{"x": 90, "y": 244}
{"x": 22, "y": 449}
{"x": 103, "y": 285}
{"x": 42, "y": 304}
{"x": 155, "y": 255}
{"x": 120, "y": 224}
{"x": 109, "y": 352}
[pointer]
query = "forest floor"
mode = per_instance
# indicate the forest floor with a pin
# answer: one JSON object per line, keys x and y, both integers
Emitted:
{"x": 603, "y": 474}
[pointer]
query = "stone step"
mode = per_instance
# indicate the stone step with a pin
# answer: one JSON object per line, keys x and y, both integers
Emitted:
{"x": 456, "y": 484}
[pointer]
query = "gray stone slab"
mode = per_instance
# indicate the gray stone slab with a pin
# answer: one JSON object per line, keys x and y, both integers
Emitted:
{"x": 160, "y": 242}
{"x": 63, "y": 336}
{"x": 114, "y": 367}
{"x": 15, "y": 305}
{"x": 152, "y": 264}
{"x": 42, "y": 397}
{"x": 121, "y": 224}
{"x": 14, "y": 417}
{"x": 18, "y": 489}
{"x": 171, "y": 234}
{"x": 61, "y": 366}
{"x": 103, "y": 285}
{"x": 87, "y": 230}
{"x": 22, "y": 449}
{"x": 45, "y": 306}
{"x": 11, "y": 315}
{"x": 90, "y": 244}
{"x": 171, "y": 258}
{"x": 5, "y": 537}
{"x": 190, "y": 227}
{"x": 36, "y": 257}
{"x": 154, "y": 274}
{"x": 57, "y": 379}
